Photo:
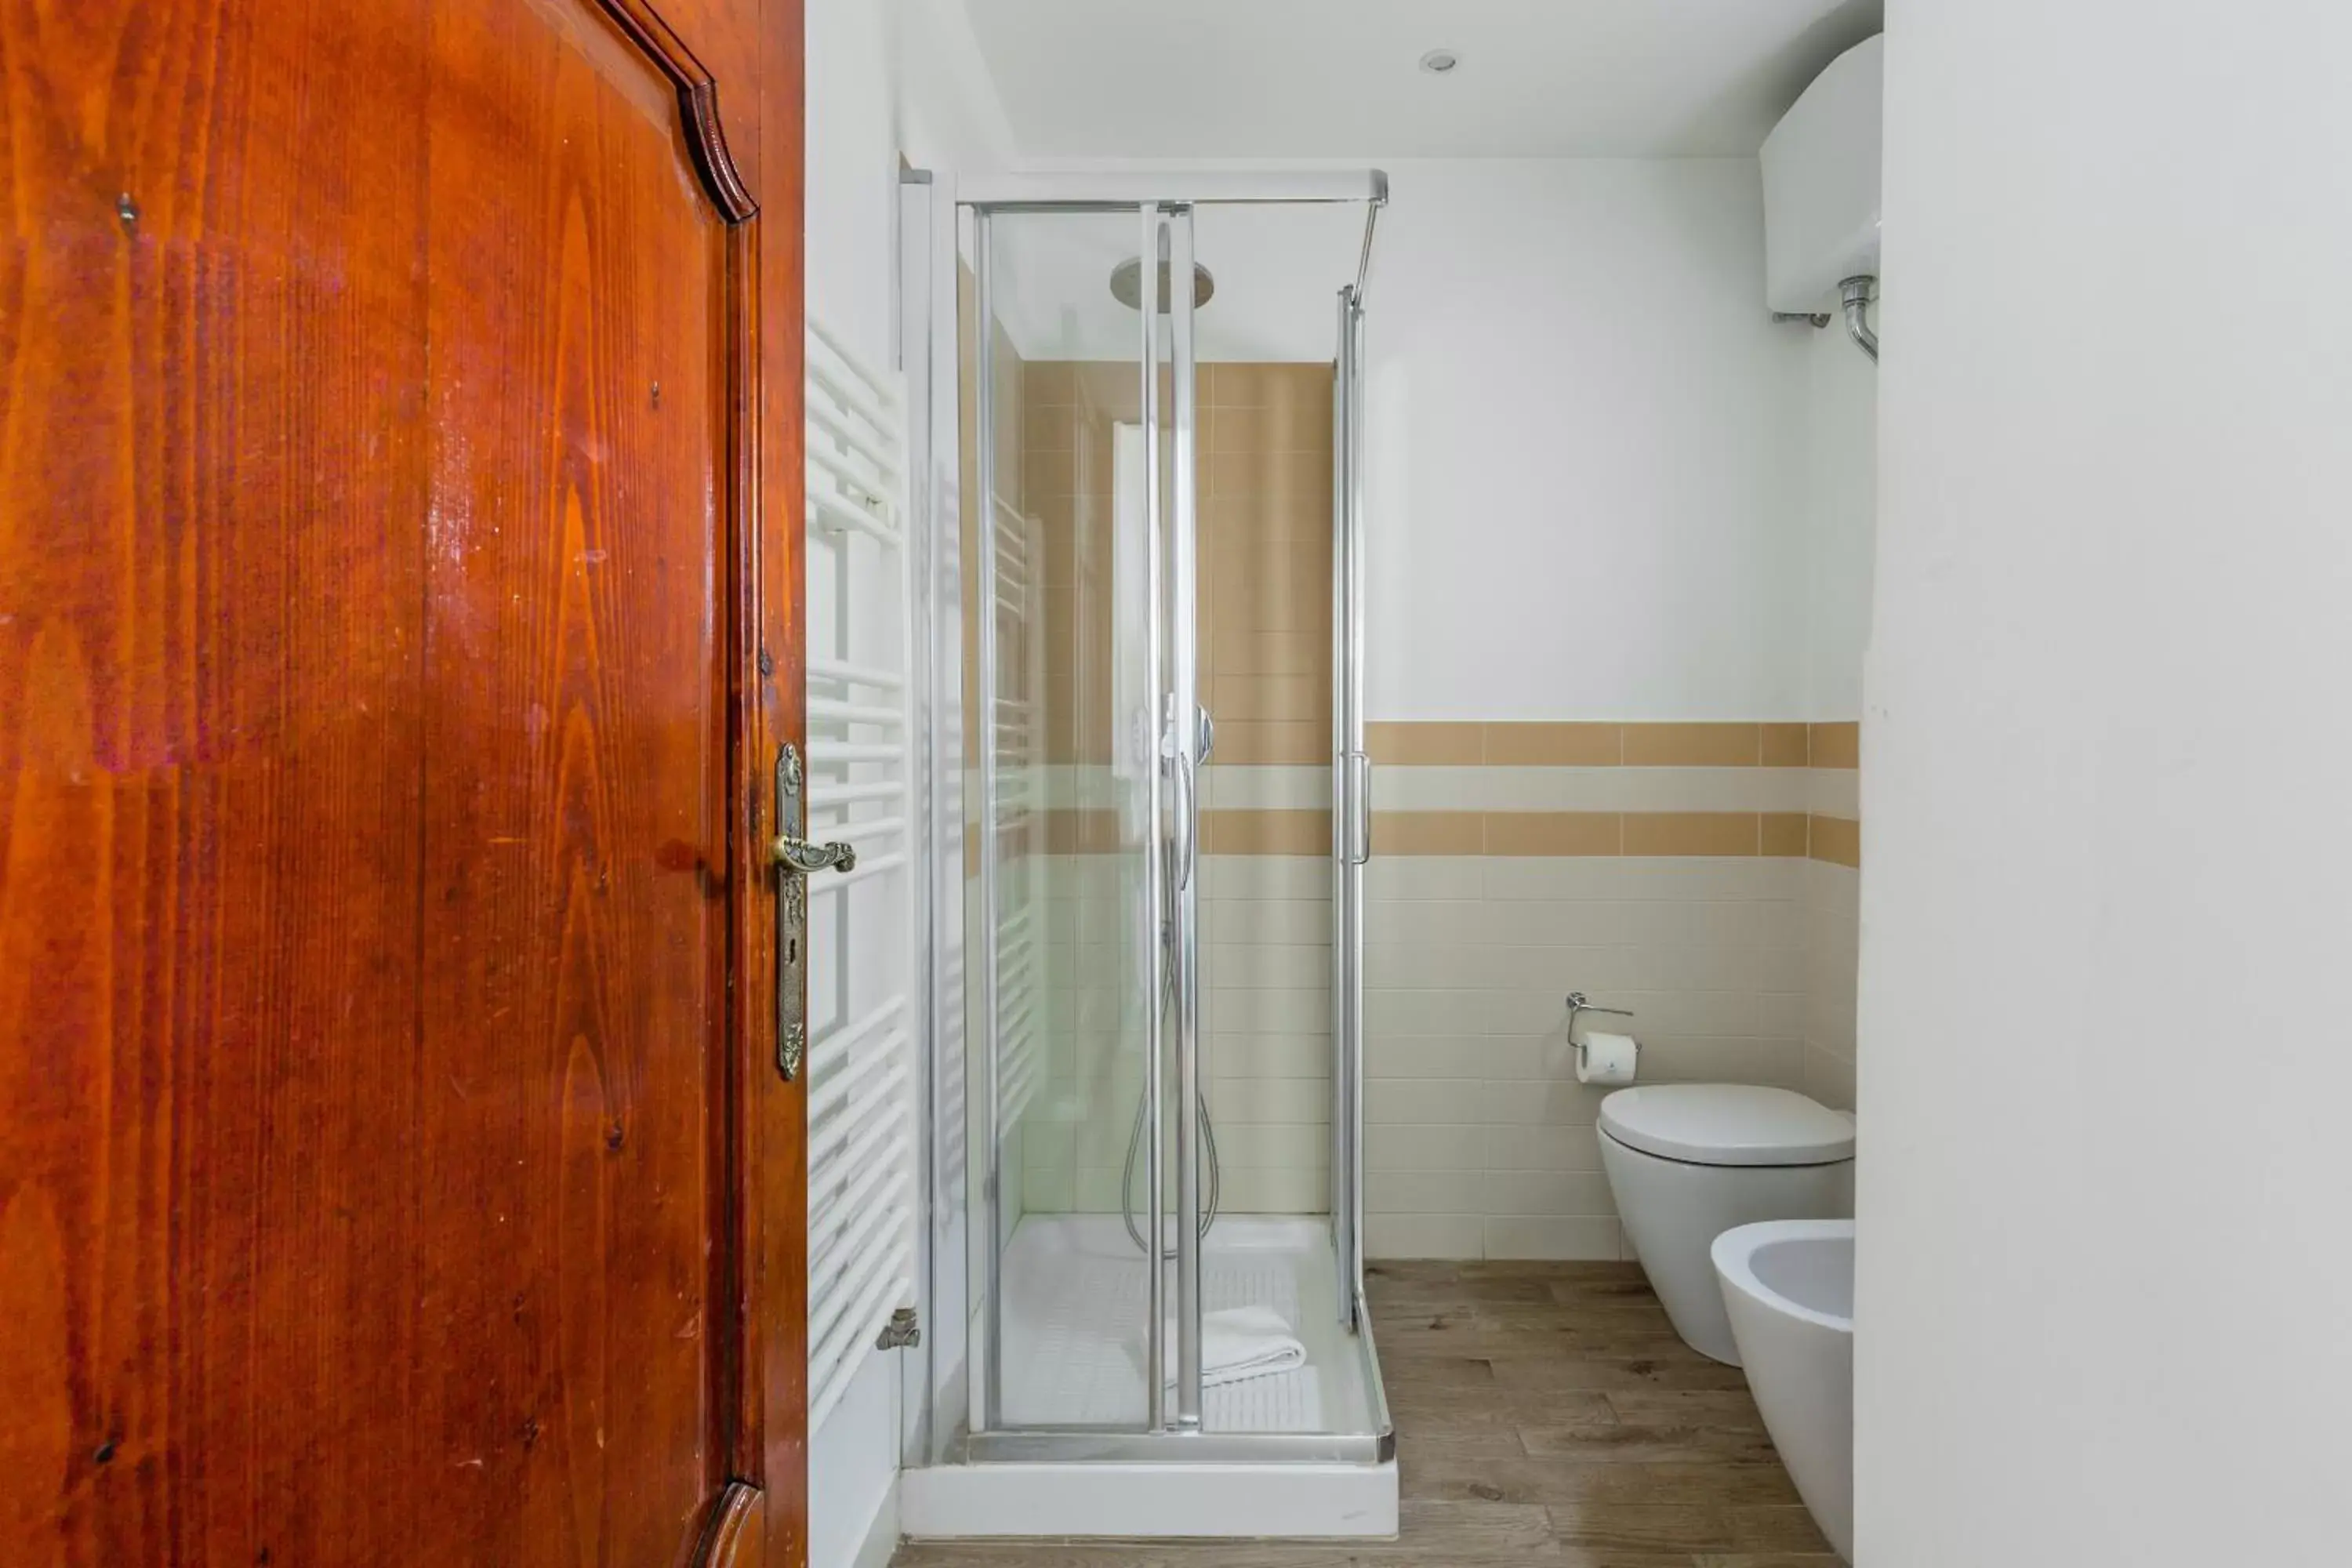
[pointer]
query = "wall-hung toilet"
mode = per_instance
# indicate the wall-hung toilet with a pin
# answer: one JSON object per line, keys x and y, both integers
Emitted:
{"x": 1687, "y": 1162}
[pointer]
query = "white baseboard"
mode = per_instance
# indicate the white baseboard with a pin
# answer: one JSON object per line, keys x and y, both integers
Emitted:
{"x": 1150, "y": 1501}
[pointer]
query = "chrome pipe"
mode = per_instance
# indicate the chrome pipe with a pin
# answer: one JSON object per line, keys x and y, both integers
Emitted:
{"x": 1371, "y": 222}
{"x": 1855, "y": 294}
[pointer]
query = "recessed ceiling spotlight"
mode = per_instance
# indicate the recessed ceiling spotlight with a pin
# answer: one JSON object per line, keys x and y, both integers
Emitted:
{"x": 1437, "y": 62}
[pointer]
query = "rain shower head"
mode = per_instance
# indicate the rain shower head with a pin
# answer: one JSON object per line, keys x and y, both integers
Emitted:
{"x": 1127, "y": 284}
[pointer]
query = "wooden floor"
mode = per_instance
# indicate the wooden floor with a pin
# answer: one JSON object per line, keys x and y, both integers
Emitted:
{"x": 1544, "y": 1414}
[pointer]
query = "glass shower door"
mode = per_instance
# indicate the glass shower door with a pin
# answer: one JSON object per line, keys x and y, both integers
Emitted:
{"x": 1085, "y": 948}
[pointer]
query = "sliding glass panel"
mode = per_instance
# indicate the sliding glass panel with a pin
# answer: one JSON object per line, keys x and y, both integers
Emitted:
{"x": 1075, "y": 788}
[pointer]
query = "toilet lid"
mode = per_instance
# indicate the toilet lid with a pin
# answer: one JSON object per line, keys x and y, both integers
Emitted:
{"x": 1727, "y": 1124}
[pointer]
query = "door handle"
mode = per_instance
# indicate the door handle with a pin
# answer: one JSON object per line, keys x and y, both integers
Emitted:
{"x": 1359, "y": 807}
{"x": 795, "y": 858}
{"x": 1188, "y": 823}
{"x": 800, "y": 855}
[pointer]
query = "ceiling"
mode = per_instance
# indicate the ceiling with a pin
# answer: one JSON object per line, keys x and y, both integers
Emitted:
{"x": 1093, "y": 79}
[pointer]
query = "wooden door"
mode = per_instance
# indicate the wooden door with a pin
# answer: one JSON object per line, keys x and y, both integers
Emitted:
{"x": 399, "y": 548}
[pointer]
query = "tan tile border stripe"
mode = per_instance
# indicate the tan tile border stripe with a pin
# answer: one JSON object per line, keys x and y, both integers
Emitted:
{"x": 1265, "y": 832}
{"x": 1602, "y": 745}
{"x": 1835, "y": 840}
{"x": 1555, "y": 834}
{"x": 1497, "y": 833}
{"x": 1836, "y": 745}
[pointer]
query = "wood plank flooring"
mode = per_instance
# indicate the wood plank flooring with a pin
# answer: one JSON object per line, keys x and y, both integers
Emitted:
{"x": 1546, "y": 1414}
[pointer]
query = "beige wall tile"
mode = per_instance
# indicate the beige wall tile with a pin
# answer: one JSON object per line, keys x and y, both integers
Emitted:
{"x": 1554, "y": 745}
{"x": 1427, "y": 832}
{"x": 1306, "y": 386}
{"x": 1787, "y": 745}
{"x": 1231, "y": 521}
{"x": 1836, "y": 840}
{"x": 1280, "y": 585}
{"x": 1243, "y": 652}
{"x": 1245, "y": 742}
{"x": 1112, "y": 389}
{"x": 1694, "y": 746}
{"x": 1837, "y": 745}
{"x": 1049, "y": 382}
{"x": 1785, "y": 833}
{"x": 1554, "y": 833}
{"x": 1073, "y": 831}
{"x": 1290, "y": 480}
{"x": 1692, "y": 833}
{"x": 1286, "y": 425}
{"x": 1426, "y": 745}
{"x": 1299, "y": 698}
{"x": 1265, "y": 832}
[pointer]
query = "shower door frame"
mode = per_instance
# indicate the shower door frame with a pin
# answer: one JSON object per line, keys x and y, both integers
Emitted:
{"x": 1164, "y": 205}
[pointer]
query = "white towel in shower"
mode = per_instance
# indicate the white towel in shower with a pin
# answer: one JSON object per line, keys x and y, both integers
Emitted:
{"x": 1238, "y": 1344}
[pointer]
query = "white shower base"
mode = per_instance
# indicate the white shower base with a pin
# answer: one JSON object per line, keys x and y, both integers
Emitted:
{"x": 1075, "y": 1315}
{"x": 1073, "y": 1318}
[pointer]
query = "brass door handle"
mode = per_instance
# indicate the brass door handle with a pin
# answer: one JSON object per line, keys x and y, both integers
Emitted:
{"x": 800, "y": 855}
{"x": 795, "y": 858}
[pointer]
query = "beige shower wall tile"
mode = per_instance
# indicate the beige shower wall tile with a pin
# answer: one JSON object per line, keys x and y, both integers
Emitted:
{"x": 1230, "y": 522}
{"x": 1553, "y": 745}
{"x": 1836, "y": 840}
{"x": 1305, "y": 699}
{"x": 1266, "y": 832}
{"x": 1289, "y": 425}
{"x": 1785, "y": 833}
{"x": 1268, "y": 384}
{"x": 1300, "y": 479}
{"x": 1692, "y": 833}
{"x": 1837, "y": 745}
{"x": 1240, "y": 651}
{"x": 1427, "y": 745}
{"x": 1275, "y": 585}
{"x": 1428, "y": 832}
{"x": 1694, "y": 746}
{"x": 1244, "y": 743}
{"x": 1787, "y": 745}
{"x": 1555, "y": 833}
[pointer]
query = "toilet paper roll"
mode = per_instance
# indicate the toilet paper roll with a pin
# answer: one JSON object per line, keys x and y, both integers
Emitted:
{"x": 1606, "y": 1059}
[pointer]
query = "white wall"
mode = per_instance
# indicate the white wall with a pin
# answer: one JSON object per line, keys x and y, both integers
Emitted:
{"x": 1586, "y": 448}
{"x": 883, "y": 81}
{"x": 2106, "y": 1181}
{"x": 1841, "y": 510}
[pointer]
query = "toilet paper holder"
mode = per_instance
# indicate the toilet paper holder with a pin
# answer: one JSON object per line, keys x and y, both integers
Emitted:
{"x": 1577, "y": 1003}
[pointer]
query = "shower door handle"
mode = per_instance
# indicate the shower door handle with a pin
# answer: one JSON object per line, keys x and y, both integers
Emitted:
{"x": 1188, "y": 822}
{"x": 1359, "y": 807}
{"x": 795, "y": 858}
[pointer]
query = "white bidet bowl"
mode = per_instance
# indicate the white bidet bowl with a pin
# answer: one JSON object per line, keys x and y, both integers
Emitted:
{"x": 1788, "y": 1285}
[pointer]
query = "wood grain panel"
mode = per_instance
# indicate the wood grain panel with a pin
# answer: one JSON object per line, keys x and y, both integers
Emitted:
{"x": 381, "y": 570}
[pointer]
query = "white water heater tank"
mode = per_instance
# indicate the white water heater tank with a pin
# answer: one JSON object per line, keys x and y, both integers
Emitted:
{"x": 1820, "y": 184}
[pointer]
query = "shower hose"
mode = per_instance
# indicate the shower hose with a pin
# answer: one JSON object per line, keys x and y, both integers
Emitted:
{"x": 1135, "y": 1141}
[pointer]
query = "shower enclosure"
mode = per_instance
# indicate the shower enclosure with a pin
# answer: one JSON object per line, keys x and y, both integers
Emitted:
{"x": 1166, "y": 819}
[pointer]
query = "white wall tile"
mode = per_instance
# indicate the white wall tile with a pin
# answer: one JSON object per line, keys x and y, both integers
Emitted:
{"x": 1411, "y": 1148}
{"x": 1582, "y": 1193}
{"x": 1425, "y": 1192}
{"x": 1423, "y": 877}
{"x": 1543, "y": 1148}
{"x": 1546, "y": 1237}
{"x": 1248, "y": 1056}
{"x": 1425, "y": 1236}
